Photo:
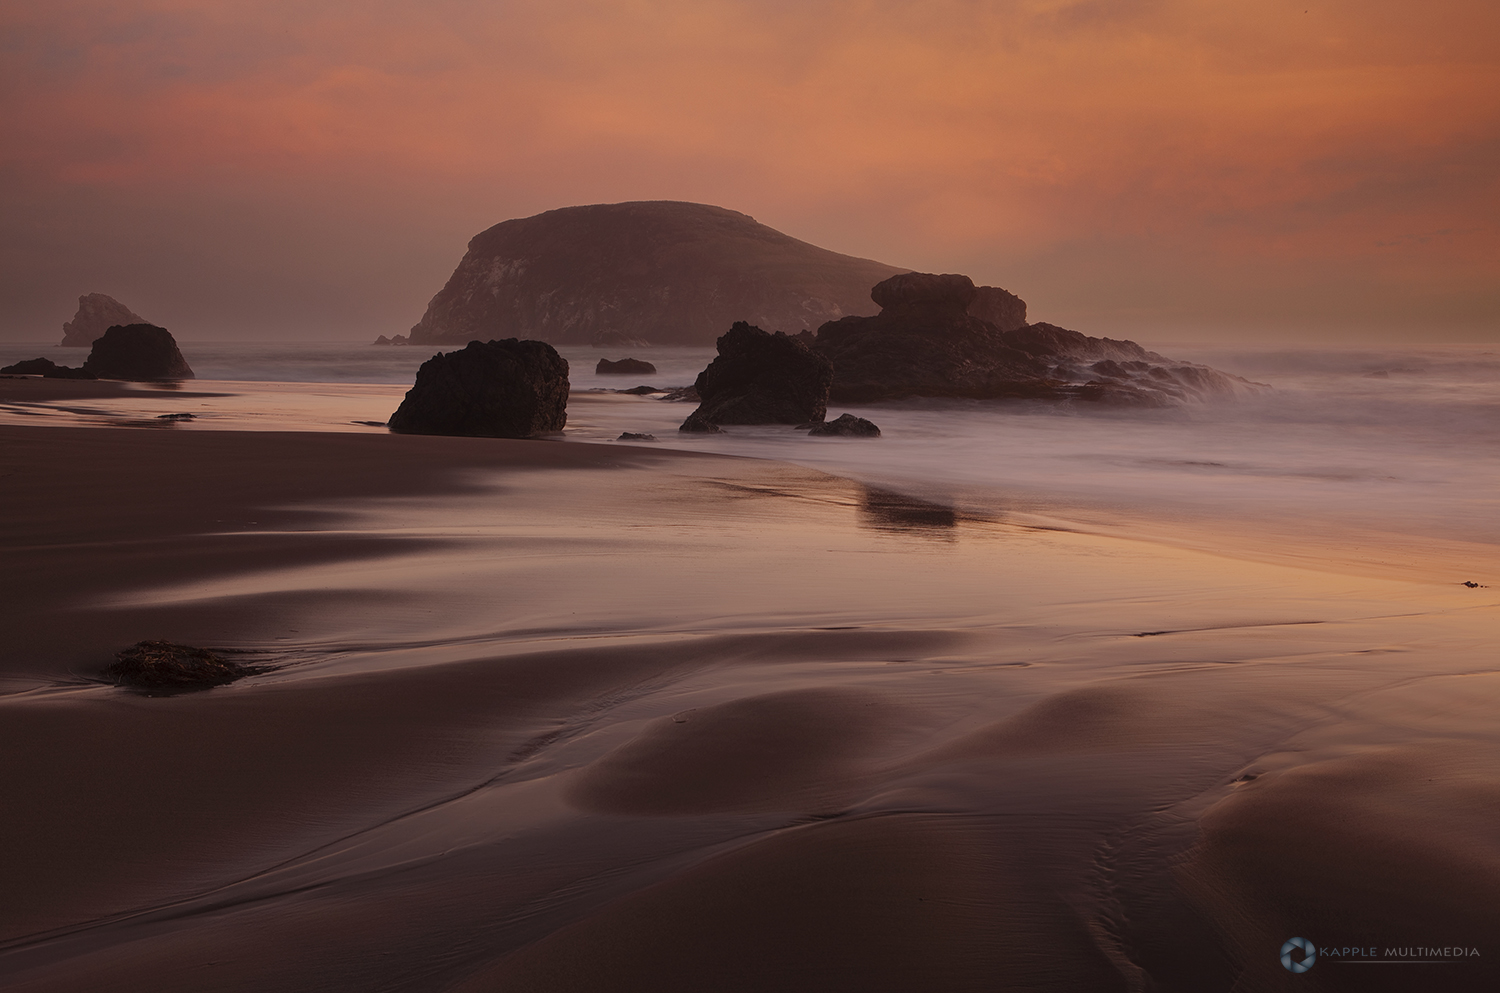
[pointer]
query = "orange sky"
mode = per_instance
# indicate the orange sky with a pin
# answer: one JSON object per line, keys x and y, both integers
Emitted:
{"x": 1166, "y": 169}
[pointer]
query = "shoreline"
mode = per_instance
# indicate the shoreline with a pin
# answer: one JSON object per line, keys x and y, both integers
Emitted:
{"x": 562, "y": 716}
{"x": 1309, "y": 504}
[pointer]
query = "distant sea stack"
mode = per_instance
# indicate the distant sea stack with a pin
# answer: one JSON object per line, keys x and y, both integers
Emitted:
{"x": 97, "y": 313}
{"x": 659, "y": 271}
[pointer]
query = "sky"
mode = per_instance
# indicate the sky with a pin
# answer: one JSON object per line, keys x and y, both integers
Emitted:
{"x": 1278, "y": 170}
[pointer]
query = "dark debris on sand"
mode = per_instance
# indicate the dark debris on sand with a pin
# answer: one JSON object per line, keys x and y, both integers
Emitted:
{"x": 164, "y": 667}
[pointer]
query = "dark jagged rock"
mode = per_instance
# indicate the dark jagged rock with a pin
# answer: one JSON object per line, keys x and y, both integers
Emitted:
{"x": 46, "y": 368}
{"x": 847, "y": 426}
{"x": 641, "y": 391}
{"x": 762, "y": 378}
{"x": 633, "y": 436}
{"x": 683, "y": 394}
{"x": 175, "y": 417}
{"x": 162, "y": 666}
{"x": 139, "y": 353}
{"x": 623, "y": 274}
{"x": 927, "y": 342}
{"x": 97, "y": 313}
{"x": 624, "y": 367}
{"x": 495, "y": 389}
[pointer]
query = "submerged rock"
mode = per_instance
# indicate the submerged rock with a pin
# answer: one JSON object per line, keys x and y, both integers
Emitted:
{"x": 928, "y": 342}
{"x": 761, "y": 378}
{"x": 847, "y": 426}
{"x": 46, "y": 368}
{"x": 633, "y": 436}
{"x": 624, "y": 367}
{"x": 494, "y": 389}
{"x": 138, "y": 353}
{"x": 164, "y": 666}
{"x": 97, "y": 313}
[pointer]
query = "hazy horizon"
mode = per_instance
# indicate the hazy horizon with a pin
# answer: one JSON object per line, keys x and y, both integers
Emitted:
{"x": 1166, "y": 170}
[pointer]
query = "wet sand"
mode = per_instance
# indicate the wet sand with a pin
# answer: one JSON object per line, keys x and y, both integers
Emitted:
{"x": 552, "y": 716}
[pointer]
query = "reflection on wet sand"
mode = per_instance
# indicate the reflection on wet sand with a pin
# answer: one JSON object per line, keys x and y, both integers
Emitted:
{"x": 882, "y": 510}
{"x": 567, "y": 717}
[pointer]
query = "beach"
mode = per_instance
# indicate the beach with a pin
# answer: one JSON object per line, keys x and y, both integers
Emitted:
{"x": 577, "y": 715}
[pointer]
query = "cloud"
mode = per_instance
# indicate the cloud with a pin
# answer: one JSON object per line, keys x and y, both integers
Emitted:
{"x": 1277, "y": 137}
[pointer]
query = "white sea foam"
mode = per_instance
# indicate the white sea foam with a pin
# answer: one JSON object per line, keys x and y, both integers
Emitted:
{"x": 1405, "y": 441}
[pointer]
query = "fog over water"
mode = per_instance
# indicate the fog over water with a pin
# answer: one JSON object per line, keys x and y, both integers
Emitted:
{"x": 1396, "y": 442}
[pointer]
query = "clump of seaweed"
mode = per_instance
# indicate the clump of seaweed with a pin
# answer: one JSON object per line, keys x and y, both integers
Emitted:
{"x": 164, "y": 667}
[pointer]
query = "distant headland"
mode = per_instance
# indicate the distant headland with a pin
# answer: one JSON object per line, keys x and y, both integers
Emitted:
{"x": 656, "y": 272}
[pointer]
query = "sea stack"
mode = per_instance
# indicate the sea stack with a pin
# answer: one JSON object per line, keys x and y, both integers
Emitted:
{"x": 624, "y": 274}
{"x": 490, "y": 389}
{"x": 761, "y": 378}
{"x": 139, "y": 353}
{"x": 97, "y": 313}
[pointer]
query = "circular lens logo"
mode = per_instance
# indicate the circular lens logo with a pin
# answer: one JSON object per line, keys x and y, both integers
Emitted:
{"x": 1309, "y": 955}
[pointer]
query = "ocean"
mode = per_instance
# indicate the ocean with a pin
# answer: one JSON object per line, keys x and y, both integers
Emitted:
{"x": 1388, "y": 449}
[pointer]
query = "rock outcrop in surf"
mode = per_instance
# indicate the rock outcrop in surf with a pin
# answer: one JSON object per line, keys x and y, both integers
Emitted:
{"x": 140, "y": 353}
{"x": 927, "y": 341}
{"x": 490, "y": 389}
{"x": 846, "y": 426}
{"x": 624, "y": 274}
{"x": 761, "y": 378}
{"x": 45, "y": 368}
{"x": 97, "y": 313}
{"x": 624, "y": 367}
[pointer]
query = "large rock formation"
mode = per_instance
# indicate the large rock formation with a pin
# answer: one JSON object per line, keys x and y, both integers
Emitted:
{"x": 761, "y": 378}
{"x": 97, "y": 313}
{"x": 494, "y": 389}
{"x": 139, "y": 353}
{"x": 651, "y": 271}
{"x": 928, "y": 342}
